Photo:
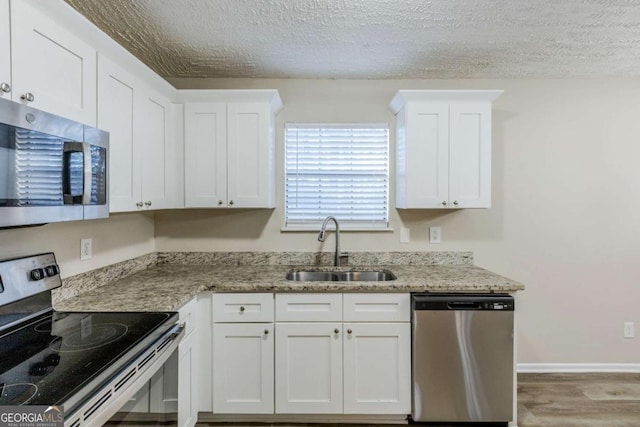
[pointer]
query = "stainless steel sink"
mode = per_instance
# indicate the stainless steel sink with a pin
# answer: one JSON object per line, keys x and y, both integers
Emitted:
{"x": 341, "y": 276}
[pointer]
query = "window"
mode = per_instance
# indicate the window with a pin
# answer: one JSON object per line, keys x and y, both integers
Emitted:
{"x": 337, "y": 169}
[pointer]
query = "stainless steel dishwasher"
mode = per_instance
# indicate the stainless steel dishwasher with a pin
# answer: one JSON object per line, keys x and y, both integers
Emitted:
{"x": 462, "y": 358}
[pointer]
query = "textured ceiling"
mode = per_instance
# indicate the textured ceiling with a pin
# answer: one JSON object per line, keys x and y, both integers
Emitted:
{"x": 376, "y": 39}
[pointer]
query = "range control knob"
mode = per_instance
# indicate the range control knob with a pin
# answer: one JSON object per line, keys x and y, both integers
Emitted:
{"x": 37, "y": 274}
{"x": 52, "y": 270}
{"x": 52, "y": 360}
{"x": 38, "y": 369}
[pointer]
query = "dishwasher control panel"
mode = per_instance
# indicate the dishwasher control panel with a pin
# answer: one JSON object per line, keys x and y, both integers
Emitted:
{"x": 501, "y": 302}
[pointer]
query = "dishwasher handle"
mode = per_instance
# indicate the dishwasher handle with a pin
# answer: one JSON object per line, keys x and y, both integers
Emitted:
{"x": 463, "y": 305}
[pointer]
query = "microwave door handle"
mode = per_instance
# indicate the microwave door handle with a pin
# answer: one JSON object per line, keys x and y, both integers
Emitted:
{"x": 88, "y": 173}
{"x": 69, "y": 148}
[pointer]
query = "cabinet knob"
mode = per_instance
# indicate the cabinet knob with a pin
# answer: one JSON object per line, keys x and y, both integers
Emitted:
{"x": 219, "y": 202}
{"x": 349, "y": 331}
{"x": 336, "y": 331}
{"x": 230, "y": 202}
{"x": 5, "y": 87}
{"x": 241, "y": 308}
{"x": 28, "y": 97}
{"x": 139, "y": 204}
{"x": 266, "y": 332}
{"x": 147, "y": 204}
{"x": 455, "y": 203}
{"x": 444, "y": 203}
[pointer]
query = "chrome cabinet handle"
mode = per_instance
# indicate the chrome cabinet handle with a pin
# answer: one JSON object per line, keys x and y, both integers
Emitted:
{"x": 5, "y": 87}
{"x": 28, "y": 97}
{"x": 241, "y": 308}
{"x": 230, "y": 202}
{"x": 349, "y": 331}
{"x": 147, "y": 204}
{"x": 444, "y": 203}
{"x": 336, "y": 331}
{"x": 266, "y": 332}
{"x": 455, "y": 203}
{"x": 139, "y": 204}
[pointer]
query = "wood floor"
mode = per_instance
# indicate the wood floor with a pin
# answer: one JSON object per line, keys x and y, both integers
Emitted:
{"x": 570, "y": 400}
{"x": 579, "y": 400}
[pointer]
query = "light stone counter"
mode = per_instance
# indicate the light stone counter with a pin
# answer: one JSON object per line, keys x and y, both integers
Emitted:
{"x": 176, "y": 278}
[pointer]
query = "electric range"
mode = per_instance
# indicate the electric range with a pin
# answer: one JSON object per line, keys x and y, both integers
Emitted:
{"x": 82, "y": 361}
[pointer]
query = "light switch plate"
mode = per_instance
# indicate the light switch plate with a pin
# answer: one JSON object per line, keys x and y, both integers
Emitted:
{"x": 405, "y": 235}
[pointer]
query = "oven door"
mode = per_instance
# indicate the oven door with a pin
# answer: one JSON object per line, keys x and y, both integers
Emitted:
{"x": 156, "y": 403}
{"x": 117, "y": 403}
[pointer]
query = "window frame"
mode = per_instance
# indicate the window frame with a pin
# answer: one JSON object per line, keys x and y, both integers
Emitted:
{"x": 345, "y": 225}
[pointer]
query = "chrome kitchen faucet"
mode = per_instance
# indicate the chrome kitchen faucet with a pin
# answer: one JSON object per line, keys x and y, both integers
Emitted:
{"x": 321, "y": 238}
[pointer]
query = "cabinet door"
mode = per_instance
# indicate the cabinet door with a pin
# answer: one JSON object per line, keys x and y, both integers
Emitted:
{"x": 205, "y": 155}
{"x": 54, "y": 65}
{"x": 470, "y": 155}
{"x": 243, "y": 368}
{"x": 5, "y": 46}
{"x": 423, "y": 156}
{"x": 250, "y": 152}
{"x": 187, "y": 386}
{"x": 116, "y": 98}
{"x": 377, "y": 368}
{"x": 152, "y": 115}
{"x": 308, "y": 368}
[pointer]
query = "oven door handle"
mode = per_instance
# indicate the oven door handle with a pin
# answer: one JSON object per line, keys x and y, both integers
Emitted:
{"x": 178, "y": 330}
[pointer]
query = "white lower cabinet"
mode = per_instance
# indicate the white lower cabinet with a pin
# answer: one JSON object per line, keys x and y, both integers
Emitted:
{"x": 243, "y": 368}
{"x": 243, "y": 351}
{"x": 308, "y": 368}
{"x": 332, "y": 353}
{"x": 187, "y": 366}
{"x": 377, "y": 368}
{"x": 187, "y": 384}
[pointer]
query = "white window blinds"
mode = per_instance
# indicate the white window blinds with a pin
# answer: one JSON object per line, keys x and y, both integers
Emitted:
{"x": 337, "y": 169}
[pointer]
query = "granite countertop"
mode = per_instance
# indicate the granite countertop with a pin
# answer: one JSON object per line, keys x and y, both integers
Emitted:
{"x": 166, "y": 287}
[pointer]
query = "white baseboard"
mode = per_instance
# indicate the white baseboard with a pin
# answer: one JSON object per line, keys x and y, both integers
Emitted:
{"x": 526, "y": 368}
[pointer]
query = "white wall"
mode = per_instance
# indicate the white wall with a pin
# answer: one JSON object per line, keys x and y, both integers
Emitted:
{"x": 121, "y": 237}
{"x": 565, "y": 219}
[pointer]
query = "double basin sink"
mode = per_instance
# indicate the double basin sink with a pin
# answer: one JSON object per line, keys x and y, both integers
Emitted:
{"x": 341, "y": 276}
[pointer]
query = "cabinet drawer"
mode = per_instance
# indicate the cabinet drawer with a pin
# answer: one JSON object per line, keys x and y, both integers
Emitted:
{"x": 242, "y": 308}
{"x": 308, "y": 307}
{"x": 377, "y": 307}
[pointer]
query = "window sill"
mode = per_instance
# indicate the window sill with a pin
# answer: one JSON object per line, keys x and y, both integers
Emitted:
{"x": 342, "y": 230}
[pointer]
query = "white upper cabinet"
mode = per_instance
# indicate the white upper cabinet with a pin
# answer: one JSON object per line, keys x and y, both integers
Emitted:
{"x": 52, "y": 68}
{"x": 144, "y": 152}
{"x": 230, "y": 148}
{"x": 5, "y": 46}
{"x": 205, "y": 154}
{"x": 116, "y": 99}
{"x": 443, "y": 148}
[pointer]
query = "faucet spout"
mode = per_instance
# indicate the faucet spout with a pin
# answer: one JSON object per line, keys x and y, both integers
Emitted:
{"x": 321, "y": 237}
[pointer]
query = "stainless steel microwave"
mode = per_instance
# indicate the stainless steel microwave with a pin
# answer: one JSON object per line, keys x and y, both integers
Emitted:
{"x": 51, "y": 168}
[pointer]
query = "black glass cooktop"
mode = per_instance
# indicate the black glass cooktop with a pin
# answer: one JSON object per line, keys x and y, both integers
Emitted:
{"x": 51, "y": 359}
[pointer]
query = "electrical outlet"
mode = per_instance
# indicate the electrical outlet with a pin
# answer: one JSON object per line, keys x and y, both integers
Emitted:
{"x": 435, "y": 235}
{"x": 85, "y": 249}
{"x": 629, "y": 330}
